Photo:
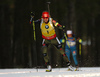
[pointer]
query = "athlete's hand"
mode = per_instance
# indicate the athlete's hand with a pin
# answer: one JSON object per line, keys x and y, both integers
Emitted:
{"x": 63, "y": 27}
{"x": 32, "y": 14}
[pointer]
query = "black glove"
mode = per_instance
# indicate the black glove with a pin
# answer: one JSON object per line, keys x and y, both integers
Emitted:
{"x": 32, "y": 14}
{"x": 32, "y": 17}
{"x": 63, "y": 27}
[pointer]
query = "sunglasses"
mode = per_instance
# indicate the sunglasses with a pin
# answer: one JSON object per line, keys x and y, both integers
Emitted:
{"x": 45, "y": 17}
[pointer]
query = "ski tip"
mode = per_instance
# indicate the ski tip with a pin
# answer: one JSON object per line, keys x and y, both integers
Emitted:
{"x": 48, "y": 70}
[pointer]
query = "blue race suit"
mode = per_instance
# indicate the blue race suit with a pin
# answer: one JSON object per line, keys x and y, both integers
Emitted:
{"x": 70, "y": 47}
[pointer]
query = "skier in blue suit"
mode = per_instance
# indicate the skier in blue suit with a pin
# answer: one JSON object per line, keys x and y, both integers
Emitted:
{"x": 70, "y": 47}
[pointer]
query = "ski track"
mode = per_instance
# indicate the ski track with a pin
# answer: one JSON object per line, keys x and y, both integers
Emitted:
{"x": 56, "y": 72}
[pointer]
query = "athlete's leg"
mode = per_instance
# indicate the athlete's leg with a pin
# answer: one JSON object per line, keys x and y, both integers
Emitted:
{"x": 45, "y": 54}
{"x": 59, "y": 48}
{"x": 74, "y": 54}
{"x": 56, "y": 43}
{"x": 67, "y": 51}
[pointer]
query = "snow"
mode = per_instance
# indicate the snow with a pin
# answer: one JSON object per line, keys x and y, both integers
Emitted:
{"x": 56, "y": 72}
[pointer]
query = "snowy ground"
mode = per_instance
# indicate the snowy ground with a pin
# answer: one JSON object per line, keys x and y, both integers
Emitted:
{"x": 56, "y": 72}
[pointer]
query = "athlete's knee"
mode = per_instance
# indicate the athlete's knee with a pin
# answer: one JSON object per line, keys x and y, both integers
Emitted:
{"x": 44, "y": 54}
{"x": 64, "y": 54}
{"x": 74, "y": 53}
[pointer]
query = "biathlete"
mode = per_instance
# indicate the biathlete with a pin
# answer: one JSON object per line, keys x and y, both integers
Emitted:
{"x": 70, "y": 47}
{"x": 47, "y": 26}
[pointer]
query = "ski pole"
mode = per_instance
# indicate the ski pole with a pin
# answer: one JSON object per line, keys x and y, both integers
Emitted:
{"x": 34, "y": 31}
{"x": 31, "y": 20}
{"x": 34, "y": 46}
{"x": 79, "y": 49}
{"x": 80, "y": 41}
{"x": 66, "y": 40}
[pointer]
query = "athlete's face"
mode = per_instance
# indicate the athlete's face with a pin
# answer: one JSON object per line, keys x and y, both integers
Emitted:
{"x": 45, "y": 19}
{"x": 69, "y": 35}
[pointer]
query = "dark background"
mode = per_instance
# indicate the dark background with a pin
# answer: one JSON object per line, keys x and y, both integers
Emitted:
{"x": 17, "y": 46}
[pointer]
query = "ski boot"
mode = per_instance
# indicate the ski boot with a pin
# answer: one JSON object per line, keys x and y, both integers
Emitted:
{"x": 49, "y": 69}
{"x": 70, "y": 68}
{"x": 77, "y": 69}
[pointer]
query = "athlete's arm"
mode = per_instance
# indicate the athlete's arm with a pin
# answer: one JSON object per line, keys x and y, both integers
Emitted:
{"x": 36, "y": 21}
{"x": 56, "y": 23}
